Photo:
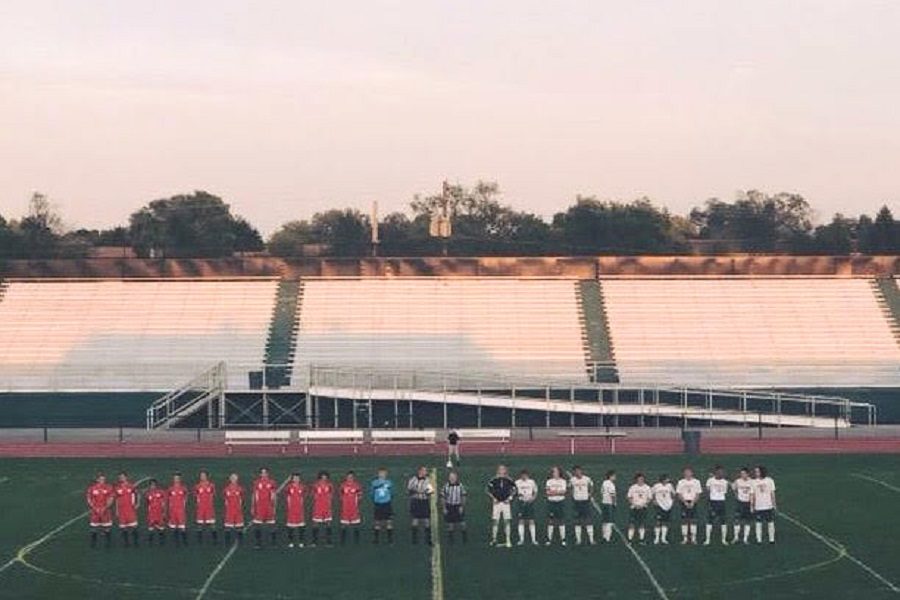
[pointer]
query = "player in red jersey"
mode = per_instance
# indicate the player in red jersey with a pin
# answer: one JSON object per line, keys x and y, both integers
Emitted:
{"x": 178, "y": 495}
{"x": 204, "y": 506}
{"x": 99, "y": 497}
{"x": 155, "y": 498}
{"x": 234, "y": 508}
{"x": 262, "y": 506}
{"x": 323, "y": 495}
{"x": 351, "y": 495}
{"x": 295, "y": 510}
{"x": 126, "y": 508}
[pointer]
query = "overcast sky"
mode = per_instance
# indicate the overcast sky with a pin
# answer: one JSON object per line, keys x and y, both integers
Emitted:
{"x": 287, "y": 107}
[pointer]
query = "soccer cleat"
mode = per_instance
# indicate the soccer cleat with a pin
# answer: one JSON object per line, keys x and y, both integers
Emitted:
{"x": 547, "y": 543}
{"x": 562, "y": 543}
{"x": 706, "y": 543}
{"x": 535, "y": 543}
{"x": 508, "y": 544}
{"x": 520, "y": 543}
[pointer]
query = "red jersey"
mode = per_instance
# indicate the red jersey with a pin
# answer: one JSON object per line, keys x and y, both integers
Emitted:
{"x": 323, "y": 491}
{"x": 234, "y": 505}
{"x": 156, "y": 508}
{"x": 264, "y": 490}
{"x": 126, "y": 504}
{"x": 351, "y": 494}
{"x": 295, "y": 505}
{"x": 99, "y": 497}
{"x": 204, "y": 501}
{"x": 178, "y": 495}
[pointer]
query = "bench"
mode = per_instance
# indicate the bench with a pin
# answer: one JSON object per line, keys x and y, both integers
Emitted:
{"x": 492, "y": 436}
{"x": 266, "y": 437}
{"x": 403, "y": 436}
{"x": 334, "y": 436}
{"x": 612, "y": 436}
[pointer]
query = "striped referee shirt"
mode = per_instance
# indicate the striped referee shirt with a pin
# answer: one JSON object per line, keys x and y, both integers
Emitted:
{"x": 453, "y": 494}
{"x": 419, "y": 488}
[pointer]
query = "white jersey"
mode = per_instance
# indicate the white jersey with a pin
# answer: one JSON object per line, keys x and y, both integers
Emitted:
{"x": 582, "y": 487}
{"x": 664, "y": 495}
{"x": 763, "y": 494}
{"x": 556, "y": 489}
{"x": 717, "y": 489}
{"x": 689, "y": 490}
{"x": 527, "y": 490}
{"x": 639, "y": 495}
{"x": 607, "y": 492}
{"x": 743, "y": 489}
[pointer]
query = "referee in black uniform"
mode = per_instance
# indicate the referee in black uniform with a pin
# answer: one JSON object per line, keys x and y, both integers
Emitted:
{"x": 420, "y": 490}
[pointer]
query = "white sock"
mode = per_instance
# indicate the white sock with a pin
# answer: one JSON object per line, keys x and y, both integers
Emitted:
{"x": 724, "y": 529}
{"x": 694, "y": 532}
{"x": 521, "y": 532}
{"x": 737, "y": 531}
{"x": 656, "y": 531}
{"x": 607, "y": 531}
{"x": 508, "y": 529}
{"x": 549, "y": 533}
{"x": 641, "y": 533}
{"x": 772, "y": 531}
{"x": 590, "y": 532}
{"x": 665, "y": 532}
{"x": 684, "y": 532}
{"x": 630, "y": 533}
{"x": 532, "y": 528}
{"x": 759, "y": 532}
{"x": 494, "y": 531}
{"x": 562, "y": 533}
{"x": 578, "y": 534}
{"x": 708, "y": 532}
{"x": 746, "y": 532}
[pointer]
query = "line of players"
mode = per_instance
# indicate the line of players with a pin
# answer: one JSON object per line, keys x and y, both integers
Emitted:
{"x": 167, "y": 508}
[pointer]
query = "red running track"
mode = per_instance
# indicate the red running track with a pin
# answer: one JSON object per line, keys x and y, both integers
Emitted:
{"x": 518, "y": 447}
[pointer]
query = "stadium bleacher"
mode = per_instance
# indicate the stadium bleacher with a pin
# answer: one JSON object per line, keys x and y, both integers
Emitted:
{"x": 771, "y": 332}
{"x": 130, "y": 334}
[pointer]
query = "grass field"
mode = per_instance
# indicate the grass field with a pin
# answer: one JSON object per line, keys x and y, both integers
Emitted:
{"x": 837, "y": 538}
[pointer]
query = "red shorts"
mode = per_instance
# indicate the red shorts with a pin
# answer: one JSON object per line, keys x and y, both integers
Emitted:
{"x": 206, "y": 515}
{"x": 127, "y": 516}
{"x": 177, "y": 519}
{"x": 234, "y": 517}
{"x": 101, "y": 517}
{"x": 264, "y": 513}
{"x": 322, "y": 515}
{"x": 156, "y": 521}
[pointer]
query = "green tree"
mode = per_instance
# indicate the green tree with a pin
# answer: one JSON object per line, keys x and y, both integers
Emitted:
{"x": 835, "y": 238}
{"x": 40, "y": 229}
{"x": 881, "y": 236}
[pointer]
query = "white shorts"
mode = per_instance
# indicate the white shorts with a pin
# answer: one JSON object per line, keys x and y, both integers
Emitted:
{"x": 501, "y": 510}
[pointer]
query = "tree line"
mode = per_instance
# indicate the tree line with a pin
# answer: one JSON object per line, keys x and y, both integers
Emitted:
{"x": 203, "y": 225}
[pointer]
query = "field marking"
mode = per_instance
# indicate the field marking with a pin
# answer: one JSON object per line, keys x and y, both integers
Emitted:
{"x": 234, "y": 546}
{"x": 4, "y": 479}
{"x": 837, "y": 546}
{"x": 660, "y": 591}
{"x": 437, "y": 568}
{"x": 884, "y": 484}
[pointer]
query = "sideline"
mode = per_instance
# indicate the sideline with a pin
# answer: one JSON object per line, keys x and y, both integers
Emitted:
{"x": 883, "y": 484}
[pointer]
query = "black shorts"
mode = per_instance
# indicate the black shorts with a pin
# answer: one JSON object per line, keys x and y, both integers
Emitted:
{"x": 743, "y": 511}
{"x": 663, "y": 516}
{"x": 637, "y": 516}
{"x": 453, "y": 514}
{"x": 582, "y": 509}
{"x": 419, "y": 508}
{"x": 716, "y": 510}
{"x": 688, "y": 513}
{"x": 608, "y": 513}
{"x": 384, "y": 512}
{"x": 765, "y": 516}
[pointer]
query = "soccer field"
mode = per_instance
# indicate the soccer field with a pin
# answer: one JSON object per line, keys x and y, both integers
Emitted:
{"x": 836, "y": 539}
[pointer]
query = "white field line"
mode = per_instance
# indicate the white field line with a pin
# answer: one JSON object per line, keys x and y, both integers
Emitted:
{"x": 234, "y": 546}
{"x": 883, "y": 484}
{"x": 644, "y": 566}
{"x": 836, "y": 546}
{"x": 437, "y": 569}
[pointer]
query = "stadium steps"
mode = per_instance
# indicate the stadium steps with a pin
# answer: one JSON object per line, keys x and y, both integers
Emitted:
{"x": 888, "y": 294}
{"x": 283, "y": 333}
{"x": 595, "y": 332}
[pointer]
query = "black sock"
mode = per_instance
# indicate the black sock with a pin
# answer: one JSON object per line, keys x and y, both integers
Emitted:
{"x": 93, "y": 539}
{"x": 257, "y": 533}
{"x": 328, "y": 535}
{"x": 240, "y": 536}
{"x": 343, "y": 535}
{"x": 376, "y": 533}
{"x": 183, "y": 533}
{"x": 315, "y": 532}
{"x": 162, "y": 538}
{"x": 199, "y": 536}
{"x": 228, "y": 537}
{"x": 302, "y": 533}
{"x": 125, "y": 536}
{"x": 150, "y": 535}
{"x": 134, "y": 536}
{"x": 107, "y": 535}
{"x": 390, "y": 536}
{"x": 273, "y": 536}
{"x": 290, "y": 535}
{"x": 215, "y": 536}
{"x": 356, "y": 535}
{"x": 428, "y": 535}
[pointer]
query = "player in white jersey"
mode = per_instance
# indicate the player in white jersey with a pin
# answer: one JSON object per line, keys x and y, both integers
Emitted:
{"x": 763, "y": 503}
{"x": 526, "y": 495}
{"x": 689, "y": 491}
{"x": 639, "y": 495}
{"x": 743, "y": 513}
{"x": 717, "y": 492}
{"x": 582, "y": 488}
{"x": 555, "y": 489}
{"x": 664, "y": 498}
{"x": 608, "y": 505}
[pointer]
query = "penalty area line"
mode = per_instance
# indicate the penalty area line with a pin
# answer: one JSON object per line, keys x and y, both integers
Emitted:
{"x": 838, "y": 547}
{"x": 883, "y": 484}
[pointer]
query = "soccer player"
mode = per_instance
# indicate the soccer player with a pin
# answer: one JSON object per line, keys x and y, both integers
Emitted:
{"x": 295, "y": 511}
{"x": 717, "y": 490}
{"x": 663, "y": 498}
{"x": 452, "y": 448}
{"x": 453, "y": 501}
{"x": 233, "y": 495}
{"x": 688, "y": 491}
{"x": 322, "y": 513}
{"x": 556, "y": 488}
{"x": 381, "y": 490}
{"x": 262, "y": 506}
{"x": 526, "y": 495}
{"x": 763, "y": 503}
{"x": 419, "y": 489}
{"x": 126, "y": 508}
{"x": 501, "y": 490}
{"x": 177, "y": 509}
{"x": 743, "y": 492}
{"x": 204, "y": 507}
{"x": 155, "y": 499}
{"x": 608, "y": 505}
{"x": 582, "y": 492}
{"x": 351, "y": 495}
{"x": 99, "y": 497}
{"x": 638, "y": 496}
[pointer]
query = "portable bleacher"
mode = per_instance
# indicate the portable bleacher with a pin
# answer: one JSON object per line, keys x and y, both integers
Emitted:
{"x": 342, "y": 437}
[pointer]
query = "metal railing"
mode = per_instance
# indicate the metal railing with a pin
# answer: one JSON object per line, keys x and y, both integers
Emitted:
{"x": 188, "y": 398}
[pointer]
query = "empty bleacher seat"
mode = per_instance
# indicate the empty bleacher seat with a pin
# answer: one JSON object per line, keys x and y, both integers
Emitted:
{"x": 792, "y": 332}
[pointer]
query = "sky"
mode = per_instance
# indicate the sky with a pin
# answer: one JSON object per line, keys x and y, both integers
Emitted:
{"x": 285, "y": 108}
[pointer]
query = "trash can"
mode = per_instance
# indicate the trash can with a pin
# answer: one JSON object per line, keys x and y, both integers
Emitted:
{"x": 691, "y": 441}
